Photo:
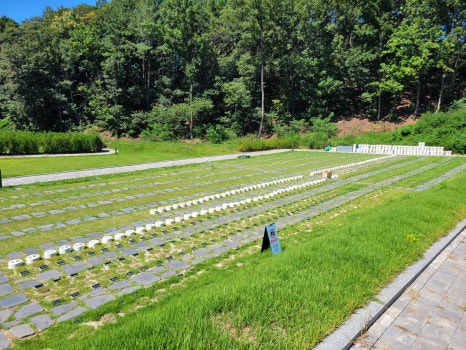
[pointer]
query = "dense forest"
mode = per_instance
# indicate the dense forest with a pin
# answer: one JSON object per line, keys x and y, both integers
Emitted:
{"x": 182, "y": 68}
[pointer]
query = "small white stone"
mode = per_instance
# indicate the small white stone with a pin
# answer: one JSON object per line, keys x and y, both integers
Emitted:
{"x": 119, "y": 236}
{"x": 106, "y": 239}
{"x": 93, "y": 243}
{"x": 50, "y": 253}
{"x": 78, "y": 246}
{"x": 15, "y": 263}
{"x": 159, "y": 223}
{"x": 140, "y": 230}
{"x": 64, "y": 249}
{"x": 30, "y": 259}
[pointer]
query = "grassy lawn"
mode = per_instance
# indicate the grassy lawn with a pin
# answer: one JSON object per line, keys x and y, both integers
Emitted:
{"x": 329, "y": 267}
{"x": 331, "y": 263}
{"x": 129, "y": 152}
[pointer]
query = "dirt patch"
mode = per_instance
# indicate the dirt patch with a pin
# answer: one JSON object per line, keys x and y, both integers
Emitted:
{"x": 103, "y": 320}
{"x": 358, "y": 126}
{"x": 245, "y": 333}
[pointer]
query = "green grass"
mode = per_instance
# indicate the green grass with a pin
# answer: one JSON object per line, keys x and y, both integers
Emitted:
{"x": 129, "y": 152}
{"x": 329, "y": 267}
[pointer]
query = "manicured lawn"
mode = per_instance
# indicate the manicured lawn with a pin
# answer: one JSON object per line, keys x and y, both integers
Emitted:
{"x": 330, "y": 265}
{"x": 129, "y": 152}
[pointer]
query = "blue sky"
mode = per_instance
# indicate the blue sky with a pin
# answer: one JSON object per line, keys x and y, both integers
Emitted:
{"x": 19, "y": 10}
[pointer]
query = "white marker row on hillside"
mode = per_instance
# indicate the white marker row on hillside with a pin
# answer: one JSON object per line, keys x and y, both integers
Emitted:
{"x": 420, "y": 150}
{"x": 50, "y": 253}
{"x": 321, "y": 171}
{"x": 222, "y": 195}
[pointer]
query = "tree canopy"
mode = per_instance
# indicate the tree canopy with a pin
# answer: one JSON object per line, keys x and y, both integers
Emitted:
{"x": 249, "y": 66}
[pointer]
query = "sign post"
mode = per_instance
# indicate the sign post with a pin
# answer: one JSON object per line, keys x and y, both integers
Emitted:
{"x": 270, "y": 239}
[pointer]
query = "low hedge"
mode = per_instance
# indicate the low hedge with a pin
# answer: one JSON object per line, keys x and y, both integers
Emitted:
{"x": 25, "y": 142}
{"x": 262, "y": 145}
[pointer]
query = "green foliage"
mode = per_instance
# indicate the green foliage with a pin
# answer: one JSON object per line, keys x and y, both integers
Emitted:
{"x": 216, "y": 134}
{"x": 24, "y": 142}
{"x": 447, "y": 129}
{"x": 158, "y": 132}
{"x": 324, "y": 125}
{"x": 126, "y": 64}
{"x": 263, "y": 144}
{"x": 315, "y": 140}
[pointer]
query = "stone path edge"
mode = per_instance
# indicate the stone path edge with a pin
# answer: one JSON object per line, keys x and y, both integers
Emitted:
{"x": 24, "y": 180}
{"x": 361, "y": 320}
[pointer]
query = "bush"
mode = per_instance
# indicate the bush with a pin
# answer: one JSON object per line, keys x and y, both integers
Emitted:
{"x": 262, "y": 145}
{"x": 25, "y": 142}
{"x": 316, "y": 140}
{"x": 158, "y": 132}
{"x": 216, "y": 134}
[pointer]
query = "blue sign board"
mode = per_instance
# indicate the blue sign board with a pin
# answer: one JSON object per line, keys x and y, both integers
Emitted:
{"x": 271, "y": 239}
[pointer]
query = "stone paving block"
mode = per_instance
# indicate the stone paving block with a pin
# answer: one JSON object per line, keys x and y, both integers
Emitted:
{"x": 69, "y": 315}
{"x": 28, "y": 284}
{"x": 5, "y": 289}
{"x": 129, "y": 251}
{"x": 176, "y": 264}
{"x": 5, "y": 314}
{"x": 13, "y": 300}
{"x": 42, "y": 322}
{"x": 4, "y": 342}
{"x": 30, "y": 251}
{"x": 47, "y": 245}
{"x": 74, "y": 268}
{"x": 95, "y": 261}
{"x": 72, "y": 222}
{"x": 145, "y": 278}
{"x": 97, "y": 301}
{"x": 157, "y": 269}
{"x": 2, "y": 237}
{"x": 220, "y": 250}
{"x": 201, "y": 252}
{"x": 120, "y": 285}
{"x": 128, "y": 290}
{"x": 197, "y": 260}
{"x": 61, "y": 309}
{"x": 28, "y": 310}
{"x": 109, "y": 256}
{"x": 49, "y": 275}
{"x": 168, "y": 273}
{"x": 22, "y": 331}
{"x": 14, "y": 255}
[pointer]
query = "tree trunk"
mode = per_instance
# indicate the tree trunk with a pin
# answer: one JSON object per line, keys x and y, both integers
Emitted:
{"x": 439, "y": 103}
{"x": 379, "y": 106}
{"x": 261, "y": 125}
{"x": 148, "y": 85}
{"x": 418, "y": 93}
{"x": 191, "y": 110}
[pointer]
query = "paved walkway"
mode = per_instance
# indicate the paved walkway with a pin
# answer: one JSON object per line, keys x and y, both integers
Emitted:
{"x": 24, "y": 180}
{"x": 430, "y": 314}
{"x": 423, "y": 308}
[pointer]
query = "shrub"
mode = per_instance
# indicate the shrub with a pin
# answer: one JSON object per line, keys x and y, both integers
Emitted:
{"x": 216, "y": 134}
{"x": 262, "y": 145}
{"x": 24, "y": 142}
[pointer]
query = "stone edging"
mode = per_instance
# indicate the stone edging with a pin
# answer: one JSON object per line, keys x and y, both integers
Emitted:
{"x": 362, "y": 319}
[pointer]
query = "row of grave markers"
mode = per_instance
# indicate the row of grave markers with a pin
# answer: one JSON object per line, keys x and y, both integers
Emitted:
{"x": 420, "y": 150}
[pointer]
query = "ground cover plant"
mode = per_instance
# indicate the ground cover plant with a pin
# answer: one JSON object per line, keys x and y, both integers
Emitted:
{"x": 202, "y": 282}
